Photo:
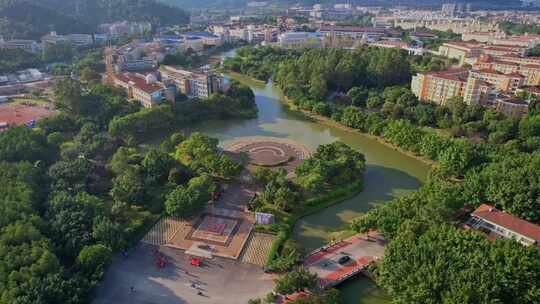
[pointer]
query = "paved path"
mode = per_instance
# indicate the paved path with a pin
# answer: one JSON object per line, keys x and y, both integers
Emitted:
{"x": 220, "y": 280}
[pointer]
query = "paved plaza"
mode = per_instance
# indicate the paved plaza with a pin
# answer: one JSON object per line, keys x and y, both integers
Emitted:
{"x": 220, "y": 280}
{"x": 270, "y": 152}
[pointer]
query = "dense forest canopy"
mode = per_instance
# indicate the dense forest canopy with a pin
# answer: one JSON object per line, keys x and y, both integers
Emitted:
{"x": 32, "y": 19}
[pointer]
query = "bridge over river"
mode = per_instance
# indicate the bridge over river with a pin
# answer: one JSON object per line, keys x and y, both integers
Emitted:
{"x": 360, "y": 249}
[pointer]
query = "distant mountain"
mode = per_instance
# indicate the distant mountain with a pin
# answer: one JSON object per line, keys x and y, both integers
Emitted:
{"x": 33, "y": 18}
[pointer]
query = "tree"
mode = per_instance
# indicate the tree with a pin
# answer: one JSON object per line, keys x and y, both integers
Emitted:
{"x": 447, "y": 265}
{"x": 68, "y": 96}
{"x": 22, "y": 191}
{"x": 109, "y": 233}
{"x": 318, "y": 89}
{"x": 457, "y": 158}
{"x": 94, "y": 259}
{"x": 184, "y": 202}
{"x": 71, "y": 220}
{"x": 89, "y": 76}
{"x": 22, "y": 143}
{"x": 358, "y": 96}
{"x": 26, "y": 257}
{"x": 295, "y": 281}
{"x": 128, "y": 187}
{"x": 71, "y": 175}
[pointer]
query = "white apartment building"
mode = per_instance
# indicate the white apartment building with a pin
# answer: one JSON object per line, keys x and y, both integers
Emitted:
{"x": 200, "y": 84}
{"x": 31, "y": 46}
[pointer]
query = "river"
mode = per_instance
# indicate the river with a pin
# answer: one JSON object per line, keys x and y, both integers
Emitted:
{"x": 389, "y": 173}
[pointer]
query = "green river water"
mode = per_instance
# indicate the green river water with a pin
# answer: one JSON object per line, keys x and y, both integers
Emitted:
{"x": 389, "y": 173}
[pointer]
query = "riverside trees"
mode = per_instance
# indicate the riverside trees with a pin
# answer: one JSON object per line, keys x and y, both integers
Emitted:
{"x": 481, "y": 156}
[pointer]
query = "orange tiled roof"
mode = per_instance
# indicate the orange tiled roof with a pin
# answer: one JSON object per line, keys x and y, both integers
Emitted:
{"x": 508, "y": 221}
{"x": 139, "y": 82}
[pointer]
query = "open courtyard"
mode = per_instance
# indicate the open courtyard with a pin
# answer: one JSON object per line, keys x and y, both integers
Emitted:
{"x": 220, "y": 280}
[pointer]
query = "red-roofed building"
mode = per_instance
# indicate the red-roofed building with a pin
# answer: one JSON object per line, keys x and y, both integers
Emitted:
{"x": 143, "y": 88}
{"x": 499, "y": 224}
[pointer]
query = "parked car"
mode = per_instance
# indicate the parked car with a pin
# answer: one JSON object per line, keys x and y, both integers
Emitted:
{"x": 344, "y": 259}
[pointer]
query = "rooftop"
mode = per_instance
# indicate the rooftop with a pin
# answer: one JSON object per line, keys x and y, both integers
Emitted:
{"x": 354, "y": 29}
{"x": 139, "y": 82}
{"x": 508, "y": 221}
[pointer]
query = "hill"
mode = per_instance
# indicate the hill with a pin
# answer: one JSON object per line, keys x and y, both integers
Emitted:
{"x": 33, "y": 18}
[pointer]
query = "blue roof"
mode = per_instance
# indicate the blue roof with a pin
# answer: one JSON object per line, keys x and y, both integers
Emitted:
{"x": 201, "y": 34}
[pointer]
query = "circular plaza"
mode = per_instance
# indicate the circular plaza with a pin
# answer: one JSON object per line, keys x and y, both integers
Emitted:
{"x": 270, "y": 152}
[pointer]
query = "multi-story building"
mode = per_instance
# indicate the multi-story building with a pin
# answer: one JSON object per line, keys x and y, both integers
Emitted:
{"x": 74, "y": 39}
{"x": 291, "y": 40}
{"x": 131, "y": 57}
{"x": 142, "y": 88}
{"x": 501, "y": 225}
{"x": 466, "y": 52}
{"x": 355, "y": 32}
{"x": 511, "y": 106}
{"x": 438, "y": 87}
{"x": 206, "y": 37}
{"x": 531, "y": 72}
{"x": 485, "y": 87}
{"x": 31, "y": 46}
{"x": 125, "y": 28}
{"x": 200, "y": 84}
{"x": 484, "y": 37}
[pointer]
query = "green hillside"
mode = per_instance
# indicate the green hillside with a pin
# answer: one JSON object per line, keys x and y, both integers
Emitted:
{"x": 33, "y": 18}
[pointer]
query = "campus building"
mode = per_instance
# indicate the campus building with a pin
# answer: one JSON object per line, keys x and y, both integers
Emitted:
{"x": 200, "y": 84}
{"x": 74, "y": 39}
{"x": 142, "y": 88}
{"x": 293, "y": 40}
{"x": 501, "y": 225}
{"x": 484, "y": 87}
{"x": 530, "y": 72}
{"x": 465, "y": 52}
{"x": 438, "y": 87}
{"x": 31, "y": 46}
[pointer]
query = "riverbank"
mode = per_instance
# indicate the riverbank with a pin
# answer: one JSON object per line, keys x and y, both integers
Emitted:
{"x": 329, "y": 122}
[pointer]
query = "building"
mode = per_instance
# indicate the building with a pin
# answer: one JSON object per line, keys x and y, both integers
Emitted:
{"x": 131, "y": 57}
{"x": 438, "y": 87}
{"x": 207, "y": 38}
{"x": 140, "y": 87}
{"x": 74, "y": 39}
{"x": 484, "y": 87}
{"x": 199, "y": 84}
{"x": 501, "y": 225}
{"x": 292, "y": 40}
{"x": 531, "y": 72}
{"x": 397, "y": 44}
{"x": 125, "y": 28}
{"x": 466, "y": 52}
{"x": 31, "y": 46}
{"x": 194, "y": 43}
{"x": 354, "y": 32}
{"x": 511, "y": 106}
